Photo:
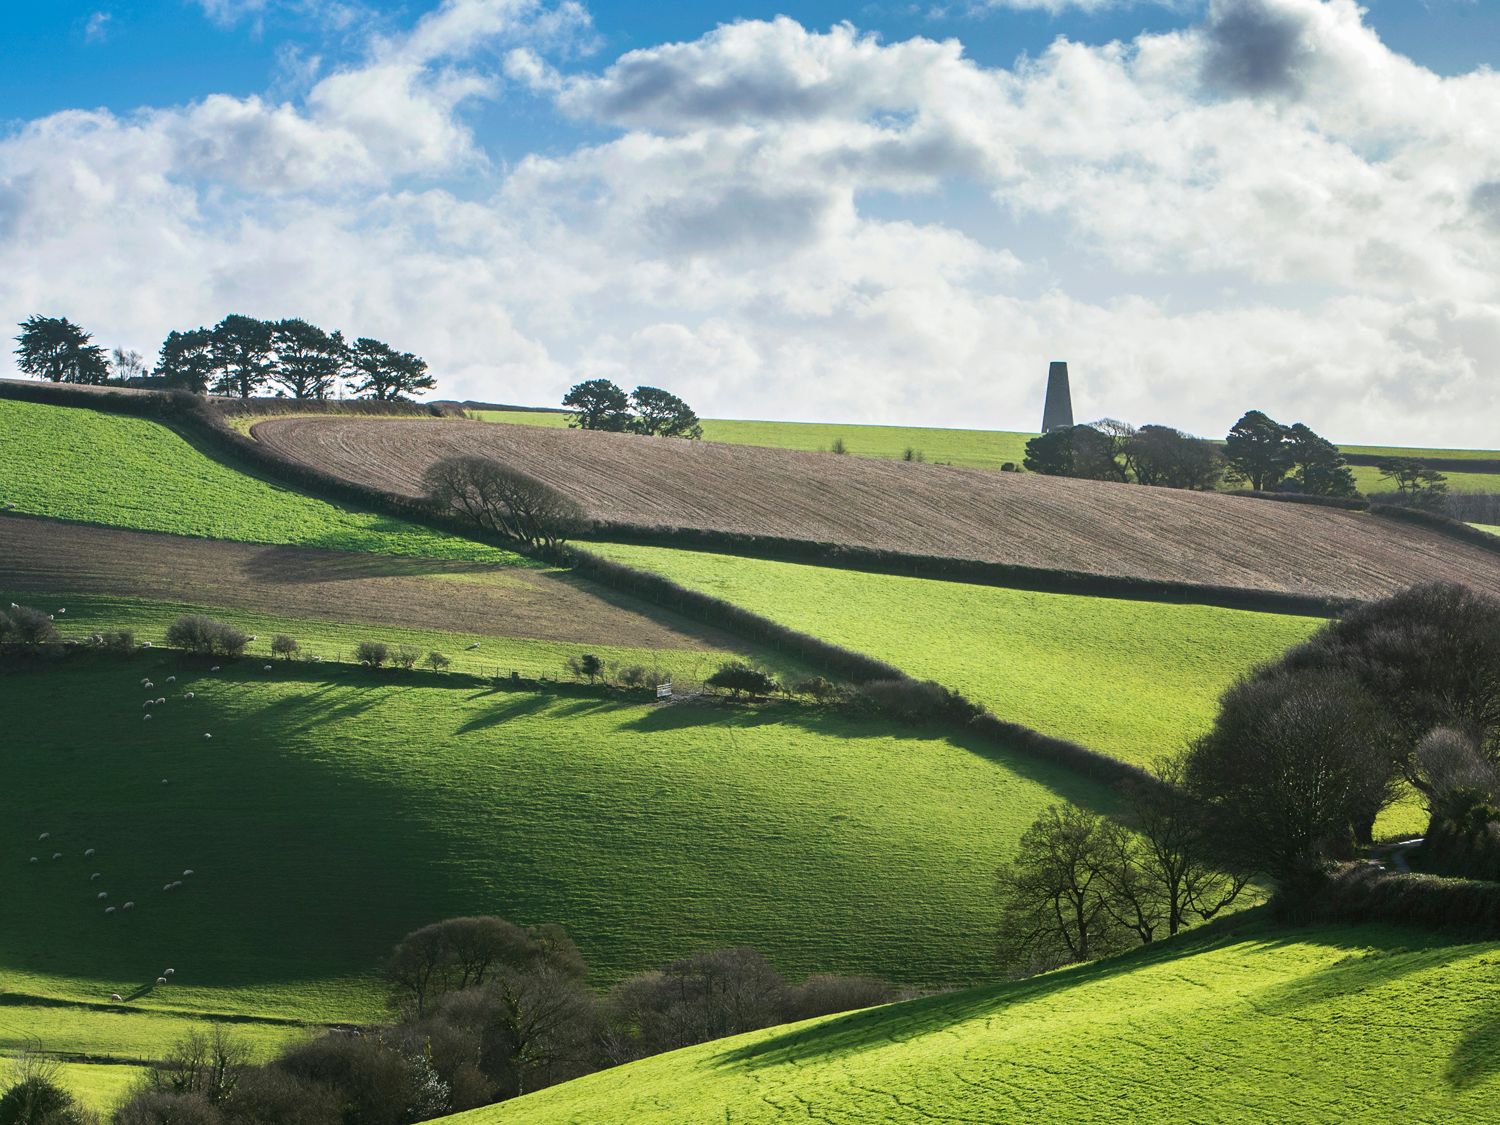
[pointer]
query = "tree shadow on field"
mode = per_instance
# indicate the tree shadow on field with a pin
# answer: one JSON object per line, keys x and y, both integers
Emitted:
{"x": 1477, "y": 1055}
{"x": 516, "y": 708}
{"x": 846, "y": 1035}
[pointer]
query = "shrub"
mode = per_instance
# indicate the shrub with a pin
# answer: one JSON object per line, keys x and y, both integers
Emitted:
{"x": 503, "y": 501}
{"x": 438, "y": 662}
{"x": 37, "y": 1096}
{"x": 818, "y": 688}
{"x": 284, "y": 646}
{"x": 205, "y": 636}
{"x": 585, "y": 667}
{"x": 372, "y": 654}
{"x": 121, "y": 641}
{"x": 405, "y": 657}
{"x": 739, "y": 678}
{"x": 29, "y": 627}
{"x": 838, "y": 446}
{"x": 915, "y": 701}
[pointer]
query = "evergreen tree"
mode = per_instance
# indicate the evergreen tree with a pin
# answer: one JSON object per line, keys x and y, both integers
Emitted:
{"x": 57, "y": 349}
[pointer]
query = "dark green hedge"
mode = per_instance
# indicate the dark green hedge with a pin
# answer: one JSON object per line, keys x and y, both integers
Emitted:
{"x": 1362, "y": 892}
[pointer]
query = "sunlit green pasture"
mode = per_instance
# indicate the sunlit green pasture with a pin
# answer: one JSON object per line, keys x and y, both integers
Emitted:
{"x": 78, "y": 464}
{"x": 1134, "y": 679}
{"x": 1311, "y": 1026}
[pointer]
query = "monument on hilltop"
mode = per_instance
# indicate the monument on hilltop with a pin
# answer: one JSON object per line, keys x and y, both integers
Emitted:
{"x": 1057, "y": 414}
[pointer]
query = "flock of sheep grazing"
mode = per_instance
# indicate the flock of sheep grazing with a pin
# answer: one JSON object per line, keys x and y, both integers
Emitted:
{"x": 102, "y": 897}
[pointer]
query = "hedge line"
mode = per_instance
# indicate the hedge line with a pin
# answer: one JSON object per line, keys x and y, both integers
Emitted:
{"x": 1362, "y": 892}
{"x": 974, "y": 572}
{"x": 1345, "y": 503}
{"x": 1443, "y": 464}
{"x": 1443, "y": 525}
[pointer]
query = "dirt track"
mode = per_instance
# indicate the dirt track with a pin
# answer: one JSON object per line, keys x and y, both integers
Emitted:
{"x": 331, "y": 585}
{"x": 1017, "y": 518}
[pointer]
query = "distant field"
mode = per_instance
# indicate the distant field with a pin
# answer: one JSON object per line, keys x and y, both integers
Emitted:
{"x": 512, "y": 613}
{"x": 1491, "y": 528}
{"x": 79, "y": 464}
{"x": 1310, "y": 1026}
{"x": 975, "y": 449}
{"x": 1421, "y": 453}
{"x": 1133, "y": 679}
{"x": 328, "y": 816}
{"x": 1014, "y": 518}
{"x": 1369, "y": 480}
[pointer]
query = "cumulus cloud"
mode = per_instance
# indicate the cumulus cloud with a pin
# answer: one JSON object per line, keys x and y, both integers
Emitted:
{"x": 789, "y": 223}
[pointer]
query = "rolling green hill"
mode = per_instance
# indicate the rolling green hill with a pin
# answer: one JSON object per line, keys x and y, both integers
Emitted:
{"x": 1341, "y": 1024}
{"x": 1131, "y": 678}
{"x": 328, "y": 815}
{"x": 77, "y": 464}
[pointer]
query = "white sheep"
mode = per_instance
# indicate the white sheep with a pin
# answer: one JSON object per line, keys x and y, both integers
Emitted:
{"x": 189, "y": 871}
{"x": 94, "y": 876}
{"x": 160, "y": 699}
{"x": 57, "y": 855}
{"x": 215, "y": 668}
{"x": 44, "y": 835}
{"x": 207, "y": 735}
{"x": 147, "y": 715}
{"x": 62, "y": 611}
{"x": 117, "y": 998}
{"x": 189, "y": 695}
{"x": 178, "y": 883}
{"x": 146, "y": 706}
{"x": 102, "y": 894}
{"x": 163, "y": 781}
{"x": 88, "y": 852}
{"x": 168, "y": 887}
{"x": 109, "y": 910}
{"x": 145, "y": 644}
{"x": 472, "y": 647}
{"x": 169, "y": 972}
{"x": 268, "y": 668}
{"x": 147, "y": 684}
{"x": 33, "y": 859}
{"x": 145, "y": 680}
{"x": 252, "y": 636}
{"x": 161, "y": 980}
{"x": 171, "y": 679}
{"x": 128, "y": 906}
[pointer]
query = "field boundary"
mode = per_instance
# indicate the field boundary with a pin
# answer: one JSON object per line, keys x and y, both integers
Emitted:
{"x": 973, "y": 572}
{"x": 1442, "y": 524}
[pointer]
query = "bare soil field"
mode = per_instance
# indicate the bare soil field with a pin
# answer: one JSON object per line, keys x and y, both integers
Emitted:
{"x": 1016, "y": 518}
{"x": 460, "y": 597}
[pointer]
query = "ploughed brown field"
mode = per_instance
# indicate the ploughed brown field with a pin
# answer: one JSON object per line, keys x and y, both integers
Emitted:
{"x": 1018, "y": 518}
{"x": 342, "y": 586}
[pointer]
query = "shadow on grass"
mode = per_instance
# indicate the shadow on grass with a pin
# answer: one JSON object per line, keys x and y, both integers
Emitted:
{"x": 1477, "y": 1055}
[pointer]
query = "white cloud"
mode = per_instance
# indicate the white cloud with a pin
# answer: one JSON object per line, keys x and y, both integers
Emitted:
{"x": 96, "y": 27}
{"x": 1269, "y": 208}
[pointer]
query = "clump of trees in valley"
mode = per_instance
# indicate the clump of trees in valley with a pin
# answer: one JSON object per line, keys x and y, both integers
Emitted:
{"x": 241, "y": 357}
{"x": 485, "y": 1010}
{"x": 599, "y": 404}
{"x": 1268, "y": 455}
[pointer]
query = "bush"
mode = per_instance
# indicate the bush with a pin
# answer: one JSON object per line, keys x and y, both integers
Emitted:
{"x": 121, "y": 642}
{"x": 372, "y": 654}
{"x": 37, "y": 1097}
{"x": 915, "y": 701}
{"x": 284, "y": 646}
{"x": 585, "y": 667}
{"x": 817, "y": 688}
{"x": 739, "y": 678}
{"x": 438, "y": 662}
{"x": 29, "y": 627}
{"x": 205, "y": 636}
{"x": 405, "y": 657}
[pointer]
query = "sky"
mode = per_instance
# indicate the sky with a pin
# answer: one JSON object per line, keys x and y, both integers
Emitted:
{"x": 871, "y": 211}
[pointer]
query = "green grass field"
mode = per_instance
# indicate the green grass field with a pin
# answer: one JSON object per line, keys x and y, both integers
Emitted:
{"x": 980, "y": 449}
{"x": 79, "y": 464}
{"x": 327, "y": 817}
{"x": 1368, "y": 1024}
{"x": 1493, "y": 529}
{"x": 335, "y": 641}
{"x": 1131, "y": 678}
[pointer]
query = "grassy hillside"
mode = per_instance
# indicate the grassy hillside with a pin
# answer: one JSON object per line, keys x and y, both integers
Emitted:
{"x": 1369, "y": 1024}
{"x": 1368, "y": 479}
{"x": 328, "y": 816}
{"x": 1131, "y": 678}
{"x": 80, "y": 464}
{"x": 977, "y": 449}
{"x": 1013, "y": 518}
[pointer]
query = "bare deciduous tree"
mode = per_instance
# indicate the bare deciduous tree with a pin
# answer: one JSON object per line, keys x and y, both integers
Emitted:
{"x": 503, "y": 501}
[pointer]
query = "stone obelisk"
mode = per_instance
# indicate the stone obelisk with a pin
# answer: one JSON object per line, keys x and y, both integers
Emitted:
{"x": 1057, "y": 414}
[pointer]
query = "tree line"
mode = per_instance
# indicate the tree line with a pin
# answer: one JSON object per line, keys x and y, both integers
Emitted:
{"x": 484, "y": 1010}
{"x": 1258, "y": 451}
{"x": 1303, "y": 756}
{"x": 240, "y": 357}
{"x": 598, "y": 404}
